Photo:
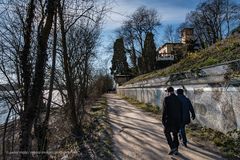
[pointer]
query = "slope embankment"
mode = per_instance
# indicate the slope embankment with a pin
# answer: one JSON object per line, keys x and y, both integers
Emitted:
{"x": 210, "y": 78}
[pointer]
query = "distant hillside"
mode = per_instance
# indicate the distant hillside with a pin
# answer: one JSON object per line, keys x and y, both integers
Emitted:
{"x": 222, "y": 51}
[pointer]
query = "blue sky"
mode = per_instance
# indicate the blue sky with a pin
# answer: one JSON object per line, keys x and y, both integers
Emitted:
{"x": 171, "y": 12}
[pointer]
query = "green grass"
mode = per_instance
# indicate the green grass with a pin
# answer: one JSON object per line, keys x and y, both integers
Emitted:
{"x": 222, "y": 51}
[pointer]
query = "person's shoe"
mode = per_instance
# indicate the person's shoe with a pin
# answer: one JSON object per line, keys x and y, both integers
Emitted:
{"x": 180, "y": 136}
{"x": 173, "y": 151}
{"x": 185, "y": 144}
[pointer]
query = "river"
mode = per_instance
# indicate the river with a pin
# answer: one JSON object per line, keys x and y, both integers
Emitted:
{"x": 4, "y": 108}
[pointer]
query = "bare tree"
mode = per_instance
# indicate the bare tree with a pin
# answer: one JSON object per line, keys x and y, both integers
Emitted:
{"x": 41, "y": 122}
{"x": 28, "y": 55}
{"x": 25, "y": 48}
{"x": 135, "y": 29}
{"x": 169, "y": 34}
{"x": 10, "y": 45}
{"x": 78, "y": 40}
{"x": 128, "y": 33}
{"x": 213, "y": 20}
{"x": 32, "y": 94}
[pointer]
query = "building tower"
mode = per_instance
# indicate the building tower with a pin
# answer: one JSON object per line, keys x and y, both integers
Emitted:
{"x": 187, "y": 35}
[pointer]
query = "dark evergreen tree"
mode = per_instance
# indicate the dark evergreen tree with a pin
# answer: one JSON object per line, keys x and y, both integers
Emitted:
{"x": 140, "y": 65}
{"x": 119, "y": 60}
{"x": 134, "y": 31}
{"x": 149, "y": 54}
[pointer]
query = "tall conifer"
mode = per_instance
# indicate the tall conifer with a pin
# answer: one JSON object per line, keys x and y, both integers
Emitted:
{"x": 119, "y": 60}
{"x": 149, "y": 54}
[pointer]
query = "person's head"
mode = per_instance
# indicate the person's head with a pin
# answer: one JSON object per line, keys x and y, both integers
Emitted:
{"x": 180, "y": 91}
{"x": 170, "y": 90}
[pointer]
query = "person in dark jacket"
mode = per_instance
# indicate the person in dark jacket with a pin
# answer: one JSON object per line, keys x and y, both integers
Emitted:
{"x": 186, "y": 109}
{"x": 172, "y": 119}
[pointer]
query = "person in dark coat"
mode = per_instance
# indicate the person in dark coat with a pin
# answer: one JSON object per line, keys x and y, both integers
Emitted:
{"x": 172, "y": 119}
{"x": 187, "y": 109}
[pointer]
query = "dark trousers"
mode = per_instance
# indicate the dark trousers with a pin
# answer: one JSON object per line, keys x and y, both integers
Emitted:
{"x": 183, "y": 134}
{"x": 172, "y": 139}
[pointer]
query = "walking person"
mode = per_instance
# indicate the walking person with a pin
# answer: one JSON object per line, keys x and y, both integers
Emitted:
{"x": 187, "y": 108}
{"x": 171, "y": 119}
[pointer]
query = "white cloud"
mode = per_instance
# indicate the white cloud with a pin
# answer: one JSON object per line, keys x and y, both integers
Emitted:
{"x": 178, "y": 16}
{"x": 169, "y": 13}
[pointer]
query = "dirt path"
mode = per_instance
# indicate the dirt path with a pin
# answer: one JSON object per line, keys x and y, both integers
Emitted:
{"x": 138, "y": 136}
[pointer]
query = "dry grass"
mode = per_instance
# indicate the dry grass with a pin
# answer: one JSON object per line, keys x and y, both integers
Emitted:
{"x": 228, "y": 144}
{"x": 98, "y": 130}
{"x": 222, "y": 51}
{"x": 152, "y": 110}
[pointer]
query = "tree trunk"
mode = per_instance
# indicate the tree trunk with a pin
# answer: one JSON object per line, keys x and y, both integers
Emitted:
{"x": 4, "y": 133}
{"x": 69, "y": 82}
{"x": 25, "y": 53}
{"x": 26, "y": 75}
{"x": 30, "y": 111}
{"x": 43, "y": 128}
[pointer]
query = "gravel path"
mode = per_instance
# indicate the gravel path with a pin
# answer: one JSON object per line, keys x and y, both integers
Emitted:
{"x": 137, "y": 136}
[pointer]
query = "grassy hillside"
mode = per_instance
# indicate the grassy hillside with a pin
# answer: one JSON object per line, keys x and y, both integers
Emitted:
{"x": 222, "y": 51}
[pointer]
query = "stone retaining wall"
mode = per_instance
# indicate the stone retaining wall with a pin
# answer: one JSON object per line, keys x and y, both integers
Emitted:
{"x": 215, "y": 95}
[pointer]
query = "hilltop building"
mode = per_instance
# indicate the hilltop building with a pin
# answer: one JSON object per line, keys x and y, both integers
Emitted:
{"x": 169, "y": 53}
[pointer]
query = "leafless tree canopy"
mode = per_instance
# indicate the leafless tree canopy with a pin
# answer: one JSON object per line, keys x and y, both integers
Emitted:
{"x": 213, "y": 20}
{"x": 135, "y": 29}
{"x": 169, "y": 34}
{"x": 47, "y": 45}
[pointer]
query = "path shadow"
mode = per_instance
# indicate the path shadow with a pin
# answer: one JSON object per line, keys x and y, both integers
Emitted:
{"x": 204, "y": 153}
{"x": 141, "y": 132}
{"x": 179, "y": 155}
